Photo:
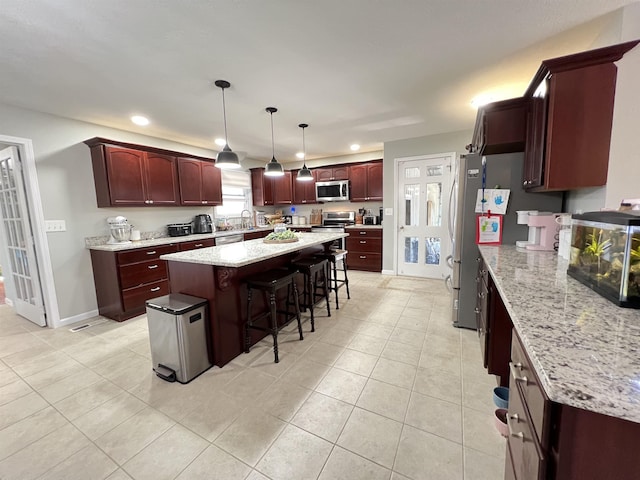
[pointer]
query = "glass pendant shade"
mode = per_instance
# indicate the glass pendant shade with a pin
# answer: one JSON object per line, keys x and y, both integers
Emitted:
{"x": 304, "y": 175}
{"x": 226, "y": 159}
{"x": 273, "y": 168}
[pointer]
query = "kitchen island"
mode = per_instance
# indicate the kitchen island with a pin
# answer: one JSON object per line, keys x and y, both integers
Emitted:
{"x": 575, "y": 372}
{"x": 218, "y": 273}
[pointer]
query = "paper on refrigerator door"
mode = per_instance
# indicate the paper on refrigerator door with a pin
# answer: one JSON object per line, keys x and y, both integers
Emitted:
{"x": 495, "y": 201}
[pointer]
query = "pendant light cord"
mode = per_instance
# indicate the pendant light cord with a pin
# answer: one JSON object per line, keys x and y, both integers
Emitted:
{"x": 224, "y": 116}
{"x": 304, "y": 151}
{"x": 273, "y": 145}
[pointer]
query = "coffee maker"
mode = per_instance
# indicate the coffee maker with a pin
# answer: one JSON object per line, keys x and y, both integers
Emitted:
{"x": 202, "y": 224}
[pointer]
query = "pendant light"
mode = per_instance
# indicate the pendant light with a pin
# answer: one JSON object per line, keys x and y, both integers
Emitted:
{"x": 273, "y": 168}
{"x": 304, "y": 175}
{"x": 226, "y": 159}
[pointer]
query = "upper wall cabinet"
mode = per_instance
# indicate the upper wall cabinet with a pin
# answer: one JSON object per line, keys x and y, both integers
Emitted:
{"x": 500, "y": 127}
{"x": 283, "y": 190}
{"x": 261, "y": 188}
{"x": 304, "y": 192}
{"x": 128, "y": 175}
{"x": 200, "y": 182}
{"x": 366, "y": 182}
{"x": 569, "y": 119}
{"x": 337, "y": 172}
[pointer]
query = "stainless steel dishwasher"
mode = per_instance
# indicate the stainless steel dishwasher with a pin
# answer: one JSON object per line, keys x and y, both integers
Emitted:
{"x": 231, "y": 238}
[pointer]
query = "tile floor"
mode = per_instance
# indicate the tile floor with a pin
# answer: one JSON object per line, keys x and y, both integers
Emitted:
{"x": 384, "y": 389}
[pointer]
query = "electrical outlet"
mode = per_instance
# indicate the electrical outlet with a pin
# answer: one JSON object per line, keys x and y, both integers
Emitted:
{"x": 388, "y": 211}
{"x": 55, "y": 226}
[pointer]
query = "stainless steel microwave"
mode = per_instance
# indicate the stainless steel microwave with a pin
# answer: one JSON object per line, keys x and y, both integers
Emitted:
{"x": 334, "y": 191}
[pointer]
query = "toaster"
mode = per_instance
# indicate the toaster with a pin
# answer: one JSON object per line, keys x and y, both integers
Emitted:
{"x": 179, "y": 229}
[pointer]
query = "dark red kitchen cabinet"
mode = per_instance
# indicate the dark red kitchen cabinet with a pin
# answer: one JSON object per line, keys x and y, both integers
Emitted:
{"x": 366, "y": 182}
{"x": 161, "y": 179}
{"x": 304, "y": 192}
{"x": 282, "y": 190}
{"x": 200, "y": 182}
{"x": 500, "y": 127}
{"x": 337, "y": 172}
{"x": 261, "y": 188}
{"x": 125, "y": 182}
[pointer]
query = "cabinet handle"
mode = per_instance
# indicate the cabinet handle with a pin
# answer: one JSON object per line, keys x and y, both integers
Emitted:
{"x": 363, "y": 241}
{"x": 524, "y": 184}
{"x": 152, "y": 252}
{"x": 479, "y": 259}
{"x": 363, "y": 233}
{"x": 514, "y": 373}
{"x": 477, "y": 310}
{"x": 515, "y": 417}
{"x": 477, "y": 279}
{"x": 204, "y": 202}
{"x": 480, "y": 294}
{"x": 198, "y": 245}
{"x": 151, "y": 267}
{"x": 363, "y": 256}
{"x": 150, "y": 201}
{"x": 155, "y": 289}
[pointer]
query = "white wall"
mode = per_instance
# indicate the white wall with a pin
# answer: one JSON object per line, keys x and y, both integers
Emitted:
{"x": 427, "y": 145}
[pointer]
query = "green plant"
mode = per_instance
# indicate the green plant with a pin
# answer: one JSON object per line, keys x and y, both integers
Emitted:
{"x": 596, "y": 246}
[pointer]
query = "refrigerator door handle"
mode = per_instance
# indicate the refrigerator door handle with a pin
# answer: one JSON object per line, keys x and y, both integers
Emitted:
{"x": 448, "y": 283}
{"x": 449, "y": 261}
{"x": 452, "y": 208}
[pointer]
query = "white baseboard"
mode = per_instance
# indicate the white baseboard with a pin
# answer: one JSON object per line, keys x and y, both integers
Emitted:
{"x": 8, "y": 301}
{"x": 76, "y": 318}
{"x": 388, "y": 272}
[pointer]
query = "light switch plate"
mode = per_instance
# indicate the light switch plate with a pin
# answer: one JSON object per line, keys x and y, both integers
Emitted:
{"x": 388, "y": 211}
{"x": 55, "y": 226}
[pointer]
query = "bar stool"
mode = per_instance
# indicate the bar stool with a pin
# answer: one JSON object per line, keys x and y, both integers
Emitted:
{"x": 269, "y": 283}
{"x": 312, "y": 269}
{"x": 334, "y": 257}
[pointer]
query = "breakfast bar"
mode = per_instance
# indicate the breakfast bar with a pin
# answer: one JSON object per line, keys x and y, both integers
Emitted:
{"x": 218, "y": 275}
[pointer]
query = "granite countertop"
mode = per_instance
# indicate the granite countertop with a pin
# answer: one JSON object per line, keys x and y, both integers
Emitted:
{"x": 375, "y": 227}
{"x": 116, "y": 247}
{"x": 584, "y": 348}
{"x": 239, "y": 254}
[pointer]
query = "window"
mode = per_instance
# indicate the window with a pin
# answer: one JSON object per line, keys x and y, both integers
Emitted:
{"x": 236, "y": 193}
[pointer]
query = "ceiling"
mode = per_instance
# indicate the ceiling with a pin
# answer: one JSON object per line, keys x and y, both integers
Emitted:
{"x": 357, "y": 71}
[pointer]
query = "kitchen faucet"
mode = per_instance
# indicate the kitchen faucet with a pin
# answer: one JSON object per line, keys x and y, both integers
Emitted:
{"x": 249, "y": 223}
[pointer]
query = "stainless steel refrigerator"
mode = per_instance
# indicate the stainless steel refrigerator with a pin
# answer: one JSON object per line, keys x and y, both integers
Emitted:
{"x": 503, "y": 171}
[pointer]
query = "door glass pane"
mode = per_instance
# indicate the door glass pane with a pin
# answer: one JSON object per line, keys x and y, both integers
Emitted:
{"x": 434, "y": 204}
{"x": 411, "y": 249}
{"x": 434, "y": 170}
{"x": 432, "y": 251}
{"x": 412, "y": 205}
{"x": 413, "y": 172}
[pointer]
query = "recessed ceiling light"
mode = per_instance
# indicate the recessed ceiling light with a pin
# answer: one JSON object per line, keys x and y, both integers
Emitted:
{"x": 140, "y": 120}
{"x": 355, "y": 147}
{"x": 482, "y": 99}
{"x": 300, "y": 155}
{"x": 220, "y": 142}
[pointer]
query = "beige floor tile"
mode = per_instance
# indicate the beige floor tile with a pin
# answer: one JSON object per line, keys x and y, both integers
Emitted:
{"x": 384, "y": 399}
{"x": 88, "y": 463}
{"x": 367, "y": 344}
{"x": 372, "y": 436}
{"x": 447, "y": 363}
{"x": 40, "y": 456}
{"x": 61, "y": 337}
{"x": 20, "y": 342}
{"x": 117, "y": 362}
{"x": 215, "y": 464}
{"x": 435, "y": 416}
{"x": 479, "y": 433}
{"x": 20, "y": 434}
{"x": 480, "y": 466}
{"x": 283, "y": 399}
{"x": 418, "y": 324}
{"x": 92, "y": 351}
{"x": 167, "y": 456}
{"x": 479, "y": 396}
{"x": 14, "y": 390}
{"x": 255, "y": 475}
{"x": 249, "y": 385}
{"x": 338, "y": 336}
{"x": 345, "y": 386}
{"x": 291, "y": 343}
{"x": 295, "y": 454}
{"x": 407, "y": 336}
{"x": 397, "y": 476}
{"x": 402, "y": 352}
{"x": 356, "y": 362}
{"x": 423, "y": 455}
{"x": 306, "y": 373}
{"x": 68, "y": 386}
{"x": 20, "y": 408}
{"x": 349, "y": 322}
{"x": 134, "y": 434}
{"x": 323, "y": 353}
{"x": 55, "y": 373}
{"x": 118, "y": 475}
{"x": 323, "y": 416}
{"x": 266, "y": 363}
{"x": 213, "y": 414}
{"x": 40, "y": 362}
{"x": 87, "y": 399}
{"x": 382, "y": 332}
{"x": 256, "y": 351}
{"x": 109, "y": 415}
{"x": 345, "y": 465}
{"x": 439, "y": 383}
{"x": 387, "y": 315}
{"x": 396, "y": 373}
{"x": 250, "y": 436}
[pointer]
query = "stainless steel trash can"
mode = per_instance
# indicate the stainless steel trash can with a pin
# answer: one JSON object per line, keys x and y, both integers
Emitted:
{"x": 178, "y": 336}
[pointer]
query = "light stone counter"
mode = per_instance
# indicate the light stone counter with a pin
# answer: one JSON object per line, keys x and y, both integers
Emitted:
{"x": 585, "y": 349}
{"x": 359, "y": 227}
{"x": 117, "y": 247}
{"x": 240, "y": 254}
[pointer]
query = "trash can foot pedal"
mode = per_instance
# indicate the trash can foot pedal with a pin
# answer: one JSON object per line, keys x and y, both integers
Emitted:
{"x": 165, "y": 373}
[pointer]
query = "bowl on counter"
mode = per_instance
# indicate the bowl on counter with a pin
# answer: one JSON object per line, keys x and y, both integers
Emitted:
{"x": 501, "y": 397}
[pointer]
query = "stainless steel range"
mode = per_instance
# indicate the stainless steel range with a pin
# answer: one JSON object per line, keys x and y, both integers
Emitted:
{"x": 336, "y": 222}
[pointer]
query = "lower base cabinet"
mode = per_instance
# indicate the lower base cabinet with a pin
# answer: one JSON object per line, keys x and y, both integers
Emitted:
{"x": 365, "y": 249}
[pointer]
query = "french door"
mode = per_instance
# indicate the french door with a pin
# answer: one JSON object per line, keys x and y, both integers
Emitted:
{"x": 422, "y": 240}
{"x": 18, "y": 239}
